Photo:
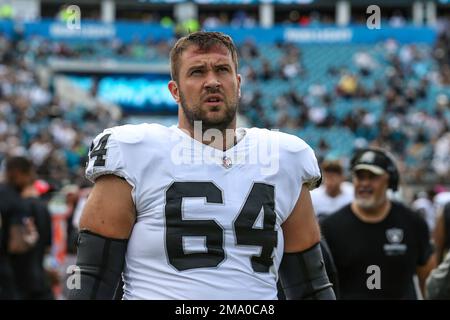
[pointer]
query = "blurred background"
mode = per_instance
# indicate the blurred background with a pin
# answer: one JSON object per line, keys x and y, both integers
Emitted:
{"x": 331, "y": 72}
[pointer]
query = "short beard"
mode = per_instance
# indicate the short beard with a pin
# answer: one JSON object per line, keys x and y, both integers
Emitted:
{"x": 195, "y": 113}
{"x": 369, "y": 204}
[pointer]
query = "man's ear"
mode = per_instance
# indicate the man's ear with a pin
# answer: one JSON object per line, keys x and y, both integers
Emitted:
{"x": 173, "y": 88}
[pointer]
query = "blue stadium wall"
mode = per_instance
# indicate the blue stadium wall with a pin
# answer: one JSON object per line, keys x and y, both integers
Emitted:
{"x": 128, "y": 32}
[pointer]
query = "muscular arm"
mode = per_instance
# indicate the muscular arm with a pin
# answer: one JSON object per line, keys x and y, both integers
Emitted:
{"x": 302, "y": 270}
{"x": 109, "y": 210}
{"x": 301, "y": 230}
{"x": 106, "y": 224}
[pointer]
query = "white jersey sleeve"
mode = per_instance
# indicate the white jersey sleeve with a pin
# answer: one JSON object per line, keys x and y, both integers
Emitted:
{"x": 302, "y": 161}
{"x": 106, "y": 157}
{"x": 310, "y": 171}
{"x": 297, "y": 167}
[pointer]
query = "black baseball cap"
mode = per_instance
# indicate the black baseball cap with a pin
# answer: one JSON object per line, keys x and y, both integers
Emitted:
{"x": 373, "y": 161}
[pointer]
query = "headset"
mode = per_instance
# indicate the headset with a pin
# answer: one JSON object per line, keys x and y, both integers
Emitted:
{"x": 382, "y": 159}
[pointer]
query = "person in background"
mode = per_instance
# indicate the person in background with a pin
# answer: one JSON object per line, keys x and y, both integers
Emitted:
{"x": 334, "y": 193}
{"x": 424, "y": 205}
{"x": 19, "y": 234}
{"x": 378, "y": 245}
{"x": 29, "y": 271}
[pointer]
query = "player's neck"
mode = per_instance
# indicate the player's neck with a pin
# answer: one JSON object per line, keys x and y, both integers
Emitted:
{"x": 221, "y": 139}
{"x": 227, "y": 141}
{"x": 372, "y": 215}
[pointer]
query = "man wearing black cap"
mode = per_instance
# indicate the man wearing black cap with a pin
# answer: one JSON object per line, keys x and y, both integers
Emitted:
{"x": 378, "y": 245}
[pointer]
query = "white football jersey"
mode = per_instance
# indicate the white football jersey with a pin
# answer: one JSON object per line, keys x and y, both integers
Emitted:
{"x": 208, "y": 221}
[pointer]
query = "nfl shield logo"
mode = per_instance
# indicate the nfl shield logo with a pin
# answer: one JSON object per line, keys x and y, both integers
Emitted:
{"x": 226, "y": 162}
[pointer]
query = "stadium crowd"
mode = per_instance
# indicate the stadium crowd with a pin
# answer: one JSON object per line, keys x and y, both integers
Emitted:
{"x": 34, "y": 122}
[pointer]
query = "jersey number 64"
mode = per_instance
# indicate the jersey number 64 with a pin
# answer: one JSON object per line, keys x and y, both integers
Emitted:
{"x": 261, "y": 196}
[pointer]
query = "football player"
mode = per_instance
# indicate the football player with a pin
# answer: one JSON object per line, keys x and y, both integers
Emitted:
{"x": 201, "y": 210}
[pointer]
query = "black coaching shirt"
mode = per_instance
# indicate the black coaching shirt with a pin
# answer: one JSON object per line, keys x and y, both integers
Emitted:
{"x": 397, "y": 245}
{"x": 12, "y": 211}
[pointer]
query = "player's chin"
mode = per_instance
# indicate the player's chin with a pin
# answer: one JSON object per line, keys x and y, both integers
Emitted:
{"x": 216, "y": 112}
{"x": 218, "y": 120}
{"x": 215, "y": 119}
